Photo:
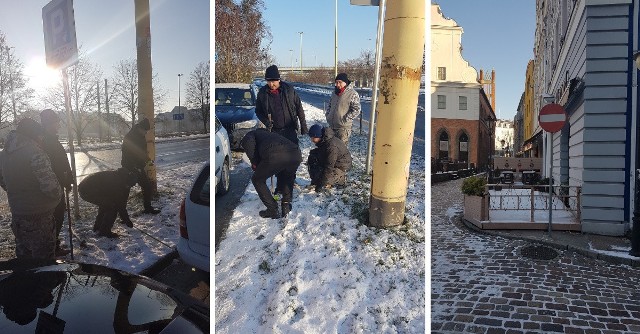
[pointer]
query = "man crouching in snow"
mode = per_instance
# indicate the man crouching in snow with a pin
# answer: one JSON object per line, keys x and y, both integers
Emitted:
{"x": 272, "y": 154}
{"x": 329, "y": 162}
{"x": 109, "y": 190}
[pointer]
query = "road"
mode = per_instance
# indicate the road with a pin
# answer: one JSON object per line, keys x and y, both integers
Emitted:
{"x": 483, "y": 283}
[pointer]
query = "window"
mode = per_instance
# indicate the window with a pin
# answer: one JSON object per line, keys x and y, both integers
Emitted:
{"x": 462, "y": 102}
{"x": 442, "y": 73}
{"x": 463, "y": 152}
{"x": 442, "y": 102}
{"x": 443, "y": 146}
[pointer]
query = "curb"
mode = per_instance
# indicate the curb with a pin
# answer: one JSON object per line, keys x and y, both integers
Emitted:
{"x": 159, "y": 265}
{"x": 561, "y": 246}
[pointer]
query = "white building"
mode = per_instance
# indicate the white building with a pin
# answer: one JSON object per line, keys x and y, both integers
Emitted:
{"x": 504, "y": 138}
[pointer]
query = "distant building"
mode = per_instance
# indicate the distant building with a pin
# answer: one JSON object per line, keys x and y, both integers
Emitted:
{"x": 462, "y": 117}
{"x": 504, "y": 138}
{"x": 180, "y": 120}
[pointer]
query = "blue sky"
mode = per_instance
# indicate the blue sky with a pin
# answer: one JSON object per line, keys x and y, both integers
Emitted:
{"x": 498, "y": 34}
{"x": 180, "y": 36}
{"x": 357, "y": 27}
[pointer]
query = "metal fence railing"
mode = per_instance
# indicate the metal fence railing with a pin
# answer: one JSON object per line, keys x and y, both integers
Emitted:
{"x": 532, "y": 200}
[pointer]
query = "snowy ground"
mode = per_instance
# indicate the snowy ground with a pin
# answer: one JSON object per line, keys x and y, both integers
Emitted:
{"x": 322, "y": 270}
{"x": 152, "y": 237}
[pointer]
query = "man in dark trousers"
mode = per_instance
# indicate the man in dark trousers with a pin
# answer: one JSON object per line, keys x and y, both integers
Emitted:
{"x": 279, "y": 108}
{"x": 272, "y": 154}
{"x": 329, "y": 162}
{"x": 135, "y": 159}
{"x": 109, "y": 190}
{"x": 51, "y": 124}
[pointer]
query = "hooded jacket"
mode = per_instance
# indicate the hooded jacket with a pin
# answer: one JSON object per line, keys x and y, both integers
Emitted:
{"x": 343, "y": 108}
{"x": 134, "y": 147}
{"x": 27, "y": 176}
{"x": 107, "y": 188}
{"x": 290, "y": 103}
{"x": 261, "y": 145}
{"x": 332, "y": 152}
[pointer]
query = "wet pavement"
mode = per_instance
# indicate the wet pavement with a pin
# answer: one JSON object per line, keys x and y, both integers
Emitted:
{"x": 526, "y": 281}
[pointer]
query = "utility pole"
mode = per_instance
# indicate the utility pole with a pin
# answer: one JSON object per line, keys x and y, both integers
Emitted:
{"x": 179, "y": 104}
{"x": 145, "y": 90}
{"x": 291, "y": 50}
{"x": 300, "y": 32}
{"x": 13, "y": 96}
{"x": 99, "y": 114}
{"x": 399, "y": 88}
{"x": 106, "y": 106}
{"x": 335, "y": 45}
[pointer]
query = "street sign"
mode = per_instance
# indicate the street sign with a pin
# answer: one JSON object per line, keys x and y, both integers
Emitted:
{"x": 178, "y": 117}
{"x": 365, "y": 2}
{"x": 59, "y": 27}
{"x": 552, "y": 117}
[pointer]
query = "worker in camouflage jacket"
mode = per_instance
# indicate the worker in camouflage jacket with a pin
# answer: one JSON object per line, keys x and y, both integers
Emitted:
{"x": 329, "y": 162}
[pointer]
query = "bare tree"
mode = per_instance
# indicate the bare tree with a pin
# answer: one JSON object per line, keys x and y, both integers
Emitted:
{"x": 82, "y": 93}
{"x": 123, "y": 98}
{"x": 14, "y": 92}
{"x": 240, "y": 33}
{"x": 198, "y": 92}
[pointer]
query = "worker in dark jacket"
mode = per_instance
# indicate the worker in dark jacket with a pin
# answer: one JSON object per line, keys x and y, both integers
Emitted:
{"x": 271, "y": 154}
{"x": 109, "y": 190}
{"x": 279, "y": 108}
{"x": 135, "y": 159}
{"x": 58, "y": 157}
{"x": 329, "y": 162}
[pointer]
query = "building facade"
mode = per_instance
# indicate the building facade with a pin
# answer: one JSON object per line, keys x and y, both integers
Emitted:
{"x": 504, "y": 138}
{"x": 583, "y": 55}
{"x": 462, "y": 118}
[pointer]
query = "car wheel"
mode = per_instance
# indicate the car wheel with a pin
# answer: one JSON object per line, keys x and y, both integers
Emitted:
{"x": 223, "y": 186}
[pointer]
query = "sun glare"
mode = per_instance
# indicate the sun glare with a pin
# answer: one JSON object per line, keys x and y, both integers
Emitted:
{"x": 40, "y": 76}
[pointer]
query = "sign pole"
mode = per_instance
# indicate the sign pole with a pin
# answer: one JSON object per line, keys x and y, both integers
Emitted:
{"x": 67, "y": 106}
{"x": 550, "y": 179}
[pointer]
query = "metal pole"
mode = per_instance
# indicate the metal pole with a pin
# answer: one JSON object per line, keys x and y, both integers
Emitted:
{"x": 374, "y": 93}
{"x": 291, "y": 50}
{"x": 179, "y": 103}
{"x": 300, "y": 32}
{"x": 394, "y": 138}
{"x": 550, "y": 179}
{"x": 13, "y": 96}
{"x": 72, "y": 153}
{"x": 106, "y": 107}
{"x": 335, "y": 45}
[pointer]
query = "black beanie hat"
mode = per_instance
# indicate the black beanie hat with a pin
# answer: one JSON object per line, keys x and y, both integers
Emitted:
{"x": 144, "y": 124}
{"x": 272, "y": 73}
{"x": 343, "y": 77}
{"x": 30, "y": 128}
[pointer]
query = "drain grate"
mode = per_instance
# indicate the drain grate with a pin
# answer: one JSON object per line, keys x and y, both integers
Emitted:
{"x": 539, "y": 252}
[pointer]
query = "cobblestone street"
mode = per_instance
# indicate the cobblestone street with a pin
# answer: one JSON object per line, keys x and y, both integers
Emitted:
{"x": 482, "y": 284}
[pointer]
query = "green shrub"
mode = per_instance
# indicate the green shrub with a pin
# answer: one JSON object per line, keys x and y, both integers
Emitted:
{"x": 474, "y": 186}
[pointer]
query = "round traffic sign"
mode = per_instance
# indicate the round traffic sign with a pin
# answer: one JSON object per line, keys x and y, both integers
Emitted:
{"x": 552, "y": 117}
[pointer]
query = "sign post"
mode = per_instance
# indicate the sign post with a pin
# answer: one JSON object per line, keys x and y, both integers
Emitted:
{"x": 551, "y": 119}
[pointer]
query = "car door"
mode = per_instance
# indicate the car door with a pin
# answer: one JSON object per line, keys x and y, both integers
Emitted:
{"x": 197, "y": 211}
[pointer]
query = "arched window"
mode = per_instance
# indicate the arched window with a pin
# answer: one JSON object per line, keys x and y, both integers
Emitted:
{"x": 463, "y": 147}
{"x": 443, "y": 146}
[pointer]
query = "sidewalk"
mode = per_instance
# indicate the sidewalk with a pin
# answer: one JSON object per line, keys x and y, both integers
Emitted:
{"x": 606, "y": 248}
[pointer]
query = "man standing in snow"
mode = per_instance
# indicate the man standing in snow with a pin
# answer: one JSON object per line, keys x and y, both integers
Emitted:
{"x": 32, "y": 189}
{"x": 344, "y": 107}
{"x": 58, "y": 157}
{"x": 109, "y": 190}
{"x": 279, "y": 108}
{"x": 135, "y": 159}
{"x": 329, "y": 162}
{"x": 272, "y": 154}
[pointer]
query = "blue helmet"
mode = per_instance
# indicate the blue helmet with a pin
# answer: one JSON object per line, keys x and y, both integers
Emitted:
{"x": 315, "y": 131}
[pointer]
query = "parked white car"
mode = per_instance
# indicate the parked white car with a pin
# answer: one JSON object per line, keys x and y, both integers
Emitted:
{"x": 195, "y": 221}
{"x": 223, "y": 159}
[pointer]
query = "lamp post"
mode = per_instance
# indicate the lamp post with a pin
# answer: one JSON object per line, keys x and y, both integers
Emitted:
{"x": 335, "y": 45}
{"x": 291, "y": 51}
{"x": 300, "y": 32}
{"x": 179, "y": 104}
{"x": 13, "y": 96}
{"x": 635, "y": 229}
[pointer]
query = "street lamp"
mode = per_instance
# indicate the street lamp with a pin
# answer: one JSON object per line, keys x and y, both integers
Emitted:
{"x": 300, "y": 32}
{"x": 335, "y": 45}
{"x": 179, "y": 104}
{"x": 291, "y": 50}
{"x": 635, "y": 229}
{"x": 13, "y": 96}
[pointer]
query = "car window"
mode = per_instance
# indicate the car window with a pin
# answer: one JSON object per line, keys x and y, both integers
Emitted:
{"x": 200, "y": 193}
{"x": 234, "y": 97}
{"x": 218, "y": 125}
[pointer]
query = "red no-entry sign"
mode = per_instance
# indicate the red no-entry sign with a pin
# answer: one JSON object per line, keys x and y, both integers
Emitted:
{"x": 552, "y": 117}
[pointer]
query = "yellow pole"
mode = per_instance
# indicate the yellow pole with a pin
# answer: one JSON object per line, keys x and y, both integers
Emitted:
{"x": 145, "y": 93}
{"x": 401, "y": 69}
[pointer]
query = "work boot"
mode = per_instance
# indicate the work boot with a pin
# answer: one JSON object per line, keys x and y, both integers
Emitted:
{"x": 151, "y": 210}
{"x": 108, "y": 234}
{"x": 286, "y": 208}
{"x": 127, "y": 223}
{"x": 273, "y": 214}
{"x": 60, "y": 251}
